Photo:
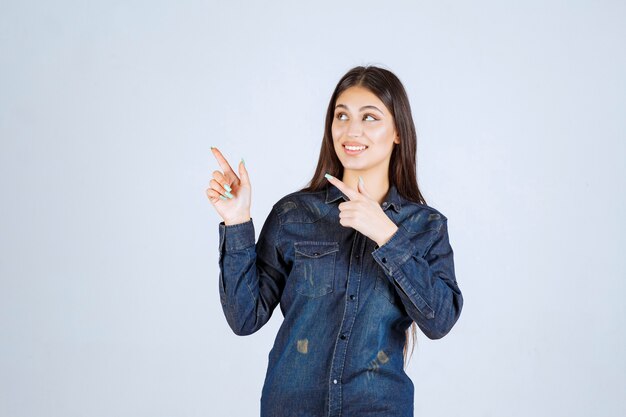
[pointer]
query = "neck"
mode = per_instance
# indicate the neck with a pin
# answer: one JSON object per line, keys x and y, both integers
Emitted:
{"x": 377, "y": 185}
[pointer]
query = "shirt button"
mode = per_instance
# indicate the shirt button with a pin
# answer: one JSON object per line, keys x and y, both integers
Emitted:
{"x": 357, "y": 256}
{"x": 334, "y": 381}
{"x": 343, "y": 336}
{"x": 385, "y": 204}
{"x": 352, "y": 296}
{"x": 384, "y": 260}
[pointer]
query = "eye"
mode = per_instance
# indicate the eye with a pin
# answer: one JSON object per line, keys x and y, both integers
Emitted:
{"x": 371, "y": 118}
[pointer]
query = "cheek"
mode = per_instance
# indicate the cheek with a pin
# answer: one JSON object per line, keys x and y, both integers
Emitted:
{"x": 337, "y": 131}
{"x": 378, "y": 133}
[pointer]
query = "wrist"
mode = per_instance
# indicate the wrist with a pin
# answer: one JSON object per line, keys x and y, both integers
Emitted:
{"x": 390, "y": 232}
{"x": 240, "y": 220}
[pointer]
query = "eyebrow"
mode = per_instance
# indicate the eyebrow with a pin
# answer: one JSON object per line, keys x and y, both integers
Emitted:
{"x": 361, "y": 109}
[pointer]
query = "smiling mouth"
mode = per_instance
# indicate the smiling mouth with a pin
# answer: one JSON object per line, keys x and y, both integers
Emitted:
{"x": 353, "y": 150}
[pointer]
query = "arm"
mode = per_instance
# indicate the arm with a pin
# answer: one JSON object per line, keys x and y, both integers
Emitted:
{"x": 422, "y": 271}
{"x": 252, "y": 277}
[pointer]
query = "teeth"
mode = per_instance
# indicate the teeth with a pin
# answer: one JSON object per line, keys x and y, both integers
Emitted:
{"x": 355, "y": 148}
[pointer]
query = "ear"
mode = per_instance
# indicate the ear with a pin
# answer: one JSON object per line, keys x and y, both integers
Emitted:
{"x": 397, "y": 140}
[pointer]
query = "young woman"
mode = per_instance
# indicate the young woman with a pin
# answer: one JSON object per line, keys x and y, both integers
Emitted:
{"x": 355, "y": 259}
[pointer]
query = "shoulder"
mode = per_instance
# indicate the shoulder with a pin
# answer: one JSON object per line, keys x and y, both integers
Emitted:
{"x": 418, "y": 217}
{"x": 302, "y": 207}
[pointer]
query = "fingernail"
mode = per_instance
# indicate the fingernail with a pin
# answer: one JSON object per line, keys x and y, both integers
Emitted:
{"x": 360, "y": 179}
{"x": 212, "y": 147}
{"x": 227, "y": 187}
{"x": 222, "y": 197}
{"x": 229, "y": 195}
{"x": 327, "y": 175}
{"x": 243, "y": 162}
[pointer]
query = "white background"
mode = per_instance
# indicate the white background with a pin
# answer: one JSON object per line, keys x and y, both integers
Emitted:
{"x": 108, "y": 245}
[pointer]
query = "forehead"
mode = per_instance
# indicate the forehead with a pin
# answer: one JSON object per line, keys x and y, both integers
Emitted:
{"x": 356, "y": 97}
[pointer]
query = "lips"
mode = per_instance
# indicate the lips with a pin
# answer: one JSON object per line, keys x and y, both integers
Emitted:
{"x": 353, "y": 148}
{"x": 353, "y": 144}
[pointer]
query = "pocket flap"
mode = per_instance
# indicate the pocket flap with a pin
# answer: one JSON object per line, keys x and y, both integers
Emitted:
{"x": 316, "y": 249}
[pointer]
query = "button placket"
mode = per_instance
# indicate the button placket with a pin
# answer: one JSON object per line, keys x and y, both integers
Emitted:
{"x": 352, "y": 288}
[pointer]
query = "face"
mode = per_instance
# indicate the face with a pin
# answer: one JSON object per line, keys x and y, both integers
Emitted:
{"x": 363, "y": 131}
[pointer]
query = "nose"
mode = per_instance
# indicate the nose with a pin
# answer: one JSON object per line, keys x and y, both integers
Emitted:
{"x": 355, "y": 128}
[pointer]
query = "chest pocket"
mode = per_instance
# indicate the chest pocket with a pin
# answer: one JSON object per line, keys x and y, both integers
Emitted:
{"x": 314, "y": 267}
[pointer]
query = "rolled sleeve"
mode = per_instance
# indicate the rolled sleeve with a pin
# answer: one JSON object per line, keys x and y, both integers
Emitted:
{"x": 252, "y": 276}
{"x": 421, "y": 267}
{"x": 393, "y": 253}
{"x": 235, "y": 237}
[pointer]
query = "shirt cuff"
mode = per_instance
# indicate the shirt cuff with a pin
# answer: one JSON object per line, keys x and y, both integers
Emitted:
{"x": 396, "y": 251}
{"x": 234, "y": 237}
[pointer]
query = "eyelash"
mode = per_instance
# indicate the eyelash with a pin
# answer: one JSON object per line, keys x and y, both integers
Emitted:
{"x": 340, "y": 114}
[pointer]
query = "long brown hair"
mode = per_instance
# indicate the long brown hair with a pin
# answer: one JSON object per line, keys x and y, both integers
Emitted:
{"x": 402, "y": 165}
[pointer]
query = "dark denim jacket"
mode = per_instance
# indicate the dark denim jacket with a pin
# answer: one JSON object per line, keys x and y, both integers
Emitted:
{"x": 346, "y": 302}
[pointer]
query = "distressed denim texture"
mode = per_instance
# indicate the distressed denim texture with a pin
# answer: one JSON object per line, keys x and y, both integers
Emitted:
{"x": 346, "y": 302}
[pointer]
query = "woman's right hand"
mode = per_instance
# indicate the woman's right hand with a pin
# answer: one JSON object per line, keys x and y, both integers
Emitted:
{"x": 236, "y": 208}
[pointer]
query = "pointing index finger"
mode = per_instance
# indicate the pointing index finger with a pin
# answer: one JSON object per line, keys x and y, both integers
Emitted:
{"x": 223, "y": 162}
{"x": 349, "y": 192}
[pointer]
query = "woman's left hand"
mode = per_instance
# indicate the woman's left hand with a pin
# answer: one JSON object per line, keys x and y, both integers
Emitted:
{"x": 363, "y": 213}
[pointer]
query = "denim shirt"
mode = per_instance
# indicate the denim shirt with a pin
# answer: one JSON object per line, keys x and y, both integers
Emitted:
{"x": 346, "y": 302}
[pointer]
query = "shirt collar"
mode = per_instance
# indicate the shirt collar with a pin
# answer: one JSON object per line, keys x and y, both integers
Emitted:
{"x": 392, "y": 199}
